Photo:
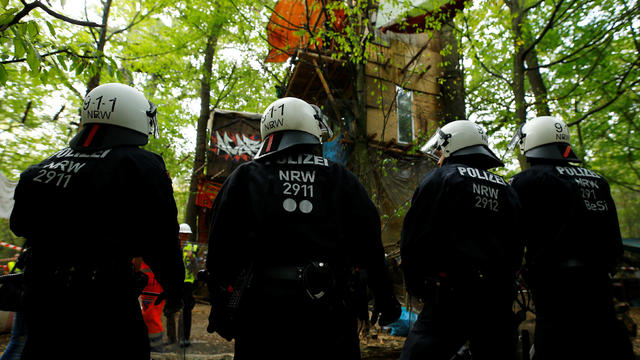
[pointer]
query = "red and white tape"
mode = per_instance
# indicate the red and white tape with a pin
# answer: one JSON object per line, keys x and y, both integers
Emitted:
{"x": 10, "y": 246}
{"x": 628, "y": 268}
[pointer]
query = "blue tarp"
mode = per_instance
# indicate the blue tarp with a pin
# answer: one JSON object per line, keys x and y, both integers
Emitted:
{"x": 402, "y": 326}
{"x": 335, "y": 151}
{"x": 631, "y": 244}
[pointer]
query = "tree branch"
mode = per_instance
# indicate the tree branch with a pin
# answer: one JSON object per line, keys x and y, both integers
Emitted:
{"x": 549, "y": 25}
{"x": 617, "y": 95}
{"x": 482, "y": 64}
{"x": 134, "y": 22}
{"x": 28, "y": 7}
{"x": 51, "y": 54}
{"x": 57, "y": 115}
{"x": 532, "y": 6}
{"x": 228, "y": 87}
{"x": 65, "y": 18}
{"x": 26, "y": 111}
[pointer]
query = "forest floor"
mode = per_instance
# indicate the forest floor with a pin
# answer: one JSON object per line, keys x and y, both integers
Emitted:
{"x": 206, "y": 346}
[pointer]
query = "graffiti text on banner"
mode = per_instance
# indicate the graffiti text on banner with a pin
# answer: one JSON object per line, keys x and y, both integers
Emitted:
{"x": 235, "y": 146}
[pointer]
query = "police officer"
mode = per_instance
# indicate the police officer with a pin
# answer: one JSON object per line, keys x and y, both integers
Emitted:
{"x": 460, "y": 252}
{"x": 85, "y": 212}
{"x": 296, "y": 227}
{"x": 573, "y": 243}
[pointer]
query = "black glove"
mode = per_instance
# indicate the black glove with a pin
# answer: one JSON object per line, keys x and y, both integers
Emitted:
{"x": 219, "y": 317}
{"x": 386, "y": 311}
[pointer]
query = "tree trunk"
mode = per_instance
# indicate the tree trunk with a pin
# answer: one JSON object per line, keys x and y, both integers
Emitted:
{"x": 537, "y": 84}
{"x": 95, "y": 79}
{"x": 199, "y": 163}
{"x": 518, "y": 71}
{"x": 452, "y": 91}
{"x": 361, "y": 164}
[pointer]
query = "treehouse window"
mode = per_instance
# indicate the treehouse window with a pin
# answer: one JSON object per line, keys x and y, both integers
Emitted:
{"x": 404, "y": 100}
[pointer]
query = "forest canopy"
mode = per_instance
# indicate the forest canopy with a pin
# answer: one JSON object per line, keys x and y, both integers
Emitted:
{"x": 577, "y": 59}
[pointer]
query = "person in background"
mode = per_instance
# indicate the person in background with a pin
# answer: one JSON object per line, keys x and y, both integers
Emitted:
{"x": 573, "y": 244}
{"x": 18, "y": 329}
{"x": 460, "y": 251}
{"x": 288, "y": 231}
{"x": 152, "y": 305}
{"x": 72, "y": 208}
{"x": 191, "y": 268}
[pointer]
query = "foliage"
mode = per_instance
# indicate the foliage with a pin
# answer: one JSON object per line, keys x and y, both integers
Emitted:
{"x": 589, "y": 61}
{"x": 588, "y": 56}
{"x": 8, "y": 237}
{"x": 628, "y": 206}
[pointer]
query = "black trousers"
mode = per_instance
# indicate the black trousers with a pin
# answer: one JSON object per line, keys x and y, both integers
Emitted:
{"x": 478, "y": 312}
{"x": 97, "y": 320}
{"x": 184, "y": 324}
{"x": 281, "y": 322}
{"x": 575, "y": 316}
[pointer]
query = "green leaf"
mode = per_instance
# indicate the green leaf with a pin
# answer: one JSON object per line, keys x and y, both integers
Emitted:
{"x": 52, "y": 29}
{"x": 33, "y": 59}
{"x": 4, "y": 3}
{"x": 7, "y": 16}
{"x": 81, "y": 66}
{"x": 32, "y": 29}
{"x": 3, "y": 75}
{"x": 18, "y": 46}
{"x": 44, "y": 76}
{"x": 63, "y": 62}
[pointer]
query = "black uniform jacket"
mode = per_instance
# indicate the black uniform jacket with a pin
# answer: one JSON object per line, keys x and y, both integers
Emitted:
{"x": 289, "y": 210}
{"x": 102, "y": 207}
{"x": 570, "y": 217}
{"x": 85, "y": 216}
{"x": 463, "y": 221}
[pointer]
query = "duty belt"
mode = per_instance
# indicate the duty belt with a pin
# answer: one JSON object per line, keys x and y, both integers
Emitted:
{"x": 283, "y": 272}
{"x": 315, "y": 278}
{"x": 71, "y": 276}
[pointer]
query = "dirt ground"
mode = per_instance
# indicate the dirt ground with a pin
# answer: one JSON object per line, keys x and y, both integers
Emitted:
{"x": 205, "y": 346}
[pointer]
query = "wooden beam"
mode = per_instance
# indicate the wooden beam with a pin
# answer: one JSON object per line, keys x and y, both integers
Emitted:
{"x": 309, "y": 83}
{"x": 327, "y": 90}
{"x": 292, "y": 79}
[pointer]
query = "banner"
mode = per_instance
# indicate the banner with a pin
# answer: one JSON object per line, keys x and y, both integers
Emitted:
{"x": 235, "y": 146}
{"x": 207, "y": 192}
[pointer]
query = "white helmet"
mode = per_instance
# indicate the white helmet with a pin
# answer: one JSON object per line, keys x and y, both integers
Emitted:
{"x": 185, "y": 229}
{"x": 545, "y": 137}
{"x": 291, "y": 121}
{"x": 463, "y": 138}
{"x": 114, "y": 115}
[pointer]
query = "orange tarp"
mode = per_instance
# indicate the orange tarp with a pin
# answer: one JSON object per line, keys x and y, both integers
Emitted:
{"x": 293, "y": 21}
{"x": 290, "y": 25}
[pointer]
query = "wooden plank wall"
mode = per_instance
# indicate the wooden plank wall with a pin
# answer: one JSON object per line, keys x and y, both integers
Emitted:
{"x": 413, "y": 67}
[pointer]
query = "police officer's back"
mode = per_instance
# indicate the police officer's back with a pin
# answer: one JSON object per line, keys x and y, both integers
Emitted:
{"x": 573, "y": 241}
{"x": 304, "y": 225}
{"x": 460, "y": 250}
{"x": 86, "y": 211}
